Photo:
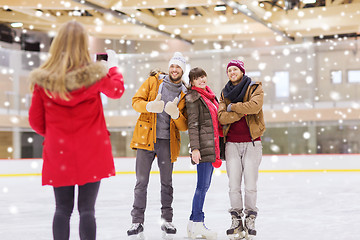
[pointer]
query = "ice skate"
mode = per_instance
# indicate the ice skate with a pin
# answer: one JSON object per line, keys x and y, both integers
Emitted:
{"x": 169, "y": 230}
{"x": 188, "y": 229}
{"x": 136, "y": 231}
{"x": 199, "y": 230}
{"x": 250, "y": 226}
{"x": 236, "y": 231}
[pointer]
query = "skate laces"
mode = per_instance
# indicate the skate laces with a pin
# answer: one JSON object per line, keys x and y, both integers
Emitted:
{"x": 206, "y": 228}
{"x": 134, "y": 226}
{"x": 169, "y": 225}
{"x": 250, "y": 222}
{"x": 235, "y": 222}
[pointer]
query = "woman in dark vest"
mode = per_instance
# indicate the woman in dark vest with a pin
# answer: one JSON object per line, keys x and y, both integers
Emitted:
{"x": 202, "y": 106}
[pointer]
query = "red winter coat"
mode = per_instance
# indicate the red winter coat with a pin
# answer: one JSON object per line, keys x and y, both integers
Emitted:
{"x": 77, "y": 148}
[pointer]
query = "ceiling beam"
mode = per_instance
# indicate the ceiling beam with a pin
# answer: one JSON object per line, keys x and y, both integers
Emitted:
{"x": 41, "y": 4}
{"x": 140, "y": 4}
{"x": 123, "y": 16}
{"x": 33, "y": 13}
{"x": 337, "y": 2}
{"x": 203, "y": 11}
{"x": 253, "y": 16}
{"x": 255, "y": 8}
{"x": 10, "y": 17}
{"x": 141, "y": 16}
{"x": 140, "y": 19}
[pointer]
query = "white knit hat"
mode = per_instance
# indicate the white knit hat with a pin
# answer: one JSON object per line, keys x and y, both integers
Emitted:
{"x": 179, "y": 60}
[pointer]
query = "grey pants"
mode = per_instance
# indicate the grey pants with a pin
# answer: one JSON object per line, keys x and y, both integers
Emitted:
{"x": 144, "y": 160}
{"x": 243, "y": 161}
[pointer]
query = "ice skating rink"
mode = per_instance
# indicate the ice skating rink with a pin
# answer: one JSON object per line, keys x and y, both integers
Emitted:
{"x": 297, "y": 200}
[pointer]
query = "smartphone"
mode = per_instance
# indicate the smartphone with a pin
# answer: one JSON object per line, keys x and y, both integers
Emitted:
{"x": 101, "y": 56}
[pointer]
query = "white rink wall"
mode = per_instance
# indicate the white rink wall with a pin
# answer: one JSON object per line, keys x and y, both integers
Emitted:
{"x": 270, "y": 163}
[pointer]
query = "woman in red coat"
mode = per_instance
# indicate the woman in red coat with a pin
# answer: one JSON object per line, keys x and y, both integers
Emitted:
{"x": 66, "y": 109}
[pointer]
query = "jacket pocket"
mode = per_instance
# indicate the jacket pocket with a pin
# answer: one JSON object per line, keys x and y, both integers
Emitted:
{"x": 142, "y": 132}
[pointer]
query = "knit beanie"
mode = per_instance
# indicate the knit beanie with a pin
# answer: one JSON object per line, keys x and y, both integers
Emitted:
{"x": 179, "y": 60}
{"x": 236, "y": 63}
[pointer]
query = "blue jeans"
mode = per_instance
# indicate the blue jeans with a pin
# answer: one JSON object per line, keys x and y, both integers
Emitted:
{"x": 204, "y": 174}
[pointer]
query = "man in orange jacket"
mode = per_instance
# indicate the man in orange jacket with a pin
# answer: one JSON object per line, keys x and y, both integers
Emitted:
{"x": 161, "y": 102}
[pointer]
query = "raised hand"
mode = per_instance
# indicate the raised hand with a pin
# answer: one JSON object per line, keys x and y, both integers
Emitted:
{"x": 112, "y": 60}
{"x": 156, "y": 106}
{"x": 172, "y": 109}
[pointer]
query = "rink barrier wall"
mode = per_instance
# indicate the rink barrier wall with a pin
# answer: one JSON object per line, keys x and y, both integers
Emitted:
{"x": 316, "y": 163}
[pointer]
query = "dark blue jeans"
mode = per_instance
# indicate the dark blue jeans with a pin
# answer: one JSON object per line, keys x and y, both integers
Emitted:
{"x": 204, "y": 174}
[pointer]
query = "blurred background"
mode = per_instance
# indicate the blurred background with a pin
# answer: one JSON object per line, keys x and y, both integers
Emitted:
{"x": 305, "y": 53}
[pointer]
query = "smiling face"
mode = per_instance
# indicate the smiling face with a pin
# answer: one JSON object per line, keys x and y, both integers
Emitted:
{"x": 234, "y": 74}
{"x": 200, "y": 82}
{"x": 198, "y": 78}
{"x": 175, "y": 73}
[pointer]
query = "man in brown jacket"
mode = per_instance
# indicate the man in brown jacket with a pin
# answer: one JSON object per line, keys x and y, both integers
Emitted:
{"x": 157, "y": 134}
{"x": 240, "y": 111}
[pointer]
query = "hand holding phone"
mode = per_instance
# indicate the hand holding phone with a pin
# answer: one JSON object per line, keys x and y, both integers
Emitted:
{"x": 112, "y": 60}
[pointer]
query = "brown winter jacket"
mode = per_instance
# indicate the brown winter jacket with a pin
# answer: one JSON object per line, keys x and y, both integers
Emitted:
{"x": 201, "y": 128}
{"x": 251, "y": 108}
{"x": 144, "y": 135}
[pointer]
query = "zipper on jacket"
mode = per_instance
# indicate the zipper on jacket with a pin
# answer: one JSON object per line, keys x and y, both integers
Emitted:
{"x": 247, "y": 122}
{"x": 252, "y": 140}
{"x": 159, "y": 88}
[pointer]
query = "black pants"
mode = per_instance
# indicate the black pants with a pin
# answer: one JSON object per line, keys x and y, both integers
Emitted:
{"x": 64, "y": 198}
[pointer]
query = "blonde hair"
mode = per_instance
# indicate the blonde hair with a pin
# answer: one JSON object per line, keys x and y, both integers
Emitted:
{"x": 68, "y": 51}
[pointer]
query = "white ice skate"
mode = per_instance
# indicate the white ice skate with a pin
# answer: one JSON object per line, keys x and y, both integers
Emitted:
{"x": 249, "y": 227}
{"x": 236, "y": 231}
{"x": 199, "y": 230}
{"x": 189, "y": 227}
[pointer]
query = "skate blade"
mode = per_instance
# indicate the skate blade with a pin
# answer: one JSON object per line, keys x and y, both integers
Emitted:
{"x": 139, "y": 236}
{"x": 202, "y": 237}
{"x": 237, "y": 236}
{"x": 168, "y": 236}
{"x": 210, "y": 237}
{"x": 250, "y": 237}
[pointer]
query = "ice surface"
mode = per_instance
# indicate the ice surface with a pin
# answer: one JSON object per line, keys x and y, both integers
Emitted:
{"x": 292, "y": 206}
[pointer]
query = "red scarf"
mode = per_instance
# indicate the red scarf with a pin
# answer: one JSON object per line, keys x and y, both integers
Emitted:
{"x": 209, "y": 97}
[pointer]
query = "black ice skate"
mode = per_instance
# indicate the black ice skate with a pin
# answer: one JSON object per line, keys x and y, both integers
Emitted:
{"x": 169, "y": 230}
{"x": 236, "y": 231}
{"x": 136, "y": 231}
{"x": 250, "y": 226}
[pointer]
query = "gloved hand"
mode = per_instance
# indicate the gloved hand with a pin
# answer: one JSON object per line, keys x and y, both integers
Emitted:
{"x": 217, "y": 163}
{"x": 112, "y": 60}
{"x": 229, "y": 107}
{"x": 156, "y": 106}
{"x": 172, "y": 109}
